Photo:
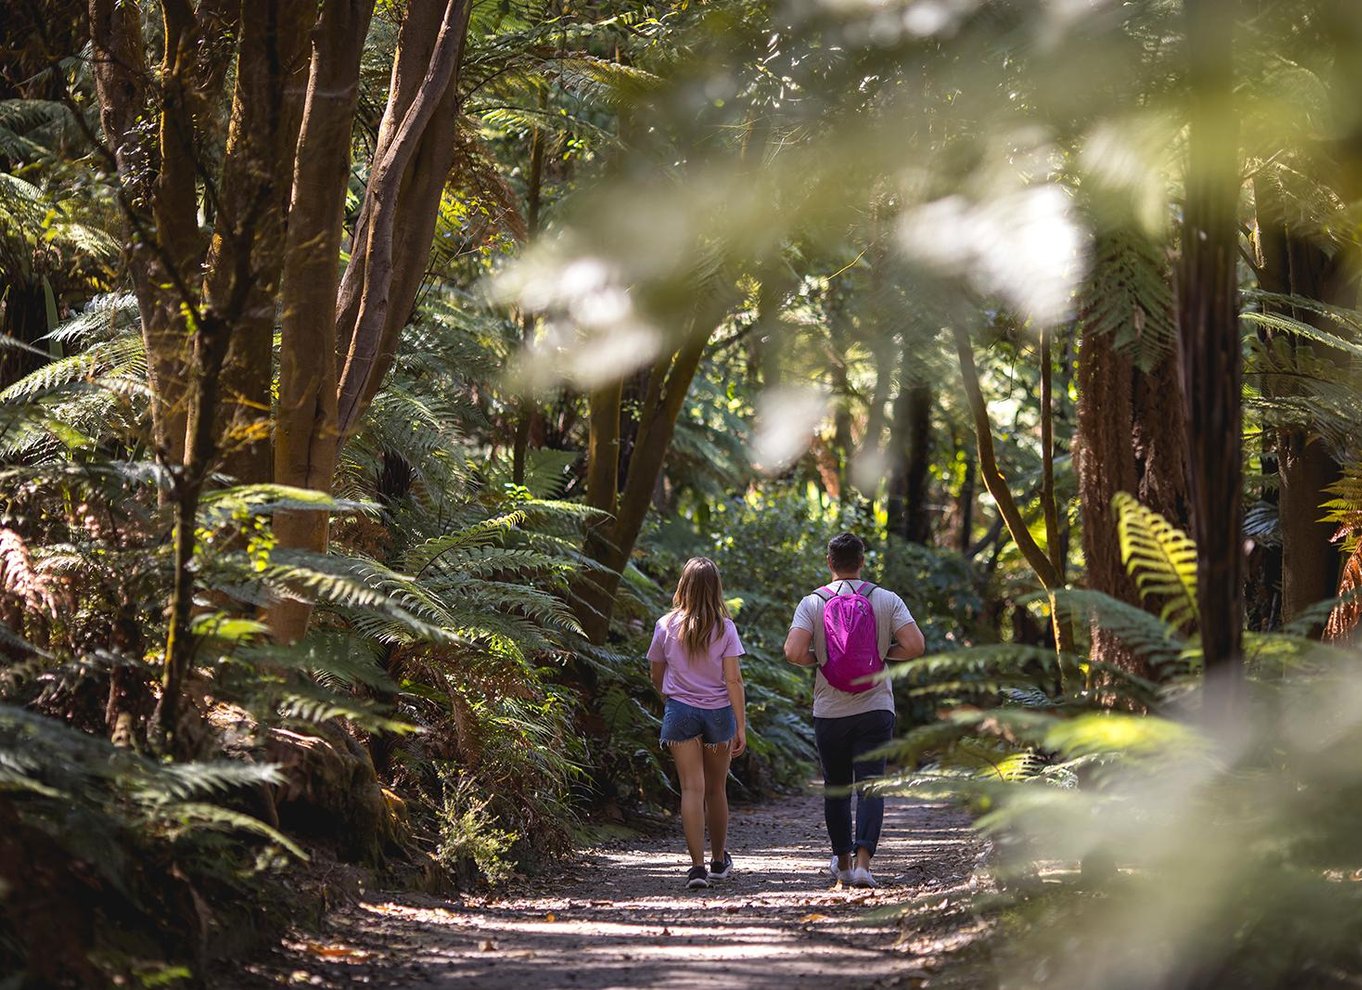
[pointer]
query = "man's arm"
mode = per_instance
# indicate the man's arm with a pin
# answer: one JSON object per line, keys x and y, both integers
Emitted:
{"x": 908, "y": 643}
{"x": 799, "y": 647}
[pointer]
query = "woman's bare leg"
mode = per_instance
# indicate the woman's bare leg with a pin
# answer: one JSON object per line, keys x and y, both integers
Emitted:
{"x": 716, "y": 798}
{"x": 690, "y": 766}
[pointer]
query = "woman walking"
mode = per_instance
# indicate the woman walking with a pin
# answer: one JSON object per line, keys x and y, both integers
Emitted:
{"x": 694, "y": 665}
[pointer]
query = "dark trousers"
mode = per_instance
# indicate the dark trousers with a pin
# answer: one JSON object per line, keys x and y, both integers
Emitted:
{"x": 841, "y": 743}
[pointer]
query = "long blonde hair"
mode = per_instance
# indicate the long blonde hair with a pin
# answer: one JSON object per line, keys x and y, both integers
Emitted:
{"x": 699, "y": 601}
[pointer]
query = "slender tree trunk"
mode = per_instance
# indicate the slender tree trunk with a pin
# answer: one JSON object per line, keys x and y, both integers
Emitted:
{"x": 611, "y": 545}
{"x": 210, "y": 350}
{"x": 526, "y": 406}
{"x": 592, "y": 593}
{"x": 256, "y": 183}
{"x": 992, "y": 474}
{"x": 1053, "y": 543}
{"x": 843, "y": 442}
{"x": 152, "y": 177}
{"x": 967, "y": 503}
{"x": 996, "y": 484}
{"x": 917, "y": 518}
{"x": 415, "y": 152}
{"x": 306, "y": 435}
{"x": 1208, "y": 311}
{"x": 896, "y": 508}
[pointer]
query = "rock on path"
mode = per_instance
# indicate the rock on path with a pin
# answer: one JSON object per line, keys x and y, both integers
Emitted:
{"x": 620, "y": 917}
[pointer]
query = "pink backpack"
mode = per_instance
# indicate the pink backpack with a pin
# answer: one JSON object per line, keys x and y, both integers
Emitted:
{"x": 853, "y": 641}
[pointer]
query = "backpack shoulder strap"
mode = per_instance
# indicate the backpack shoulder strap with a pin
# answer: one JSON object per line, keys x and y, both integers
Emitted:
{"x": 825, "y": 593}
{"x": 866, "y": 588}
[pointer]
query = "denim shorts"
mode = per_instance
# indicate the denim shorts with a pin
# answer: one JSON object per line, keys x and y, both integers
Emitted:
{"x": 682, "y": 723}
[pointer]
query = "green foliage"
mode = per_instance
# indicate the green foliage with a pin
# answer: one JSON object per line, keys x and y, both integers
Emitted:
{"x": 1172, "y": 852}
{"x": 135, "y": 836}
{"x": 1161, "y": 558}
{"x": 468, "y": 832}
{"x": 1128, "y": 295}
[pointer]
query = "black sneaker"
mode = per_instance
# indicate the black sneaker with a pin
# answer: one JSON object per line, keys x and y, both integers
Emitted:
{"x": 720, "y": 869}
{"x": 697, "y": 878}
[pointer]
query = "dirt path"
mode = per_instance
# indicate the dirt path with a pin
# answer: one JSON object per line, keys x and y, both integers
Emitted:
{"x": 620, "y": 917}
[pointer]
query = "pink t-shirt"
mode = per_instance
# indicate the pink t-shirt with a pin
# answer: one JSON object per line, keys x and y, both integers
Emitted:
{"x": 697, "y": 681}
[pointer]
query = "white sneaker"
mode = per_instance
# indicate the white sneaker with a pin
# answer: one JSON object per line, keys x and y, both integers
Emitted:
{"x": 837, "y": 872}
{"x": 860, "y": 876}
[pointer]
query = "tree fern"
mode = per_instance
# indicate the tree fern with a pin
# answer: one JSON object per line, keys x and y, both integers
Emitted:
{"x": 1129, "y": 296}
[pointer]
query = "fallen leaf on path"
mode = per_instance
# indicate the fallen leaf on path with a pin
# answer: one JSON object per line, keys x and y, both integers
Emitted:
{"x": 335, "y": 951}
{"x": 550, "y": 917}
{"x": 815, "y": 916}
{"x": 488, "y": 945}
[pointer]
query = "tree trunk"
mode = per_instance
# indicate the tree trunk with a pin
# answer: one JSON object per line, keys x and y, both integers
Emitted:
{"x": 379, "y": 287}
{"x": 411, "y": 165}
{"x": 612, "y": 544}
{"x": 592, "y": 593}
{"x": 966, "y": 502}
{"x": 1130, "y": 438}
{"x": 1295, "y": 263}
{"x": 1053, "y": 542}
{"x": 1208, "y": 317}
{"x": 992, "y": 474}
{"x": 24, "y": 321}
{"x": 306, "y": 439}
{"x": 526, "y": 405}
{"x": 254, "y": 202}
{"x": 151, "y": 193}
{"x": 1045, "y": 571}
{"x": 917, "y": 518}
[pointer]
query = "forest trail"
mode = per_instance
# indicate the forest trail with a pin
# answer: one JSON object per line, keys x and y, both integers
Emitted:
{"x": 619, "y": 916}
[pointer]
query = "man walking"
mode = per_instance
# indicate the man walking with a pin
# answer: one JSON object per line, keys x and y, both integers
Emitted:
{"x": 848, "y": 629}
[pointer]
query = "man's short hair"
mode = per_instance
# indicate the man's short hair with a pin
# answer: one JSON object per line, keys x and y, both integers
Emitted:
{"x": 846, "y": 552}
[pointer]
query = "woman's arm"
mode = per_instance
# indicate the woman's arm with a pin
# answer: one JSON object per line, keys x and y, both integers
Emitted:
{"x": 737, "y": 697}
{"x": 655, "y": 671}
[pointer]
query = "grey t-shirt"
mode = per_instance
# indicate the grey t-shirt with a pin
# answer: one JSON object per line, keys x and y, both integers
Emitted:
{"x": 891, "y": 614}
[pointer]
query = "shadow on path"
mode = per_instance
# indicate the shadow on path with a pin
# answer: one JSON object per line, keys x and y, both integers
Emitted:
{"x": 620, "y": 917}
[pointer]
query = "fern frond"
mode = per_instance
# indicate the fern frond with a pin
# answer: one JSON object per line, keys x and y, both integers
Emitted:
{"x": 1161, "y": 558}
{"x": 176, "y": 782}
{"x": 316, "y": 704}
{"x": 1157, "y": 642}
{"x": 1129, "y": 296}
{"x": 1303, "y": 330}
{"x": 198, "y": 815}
